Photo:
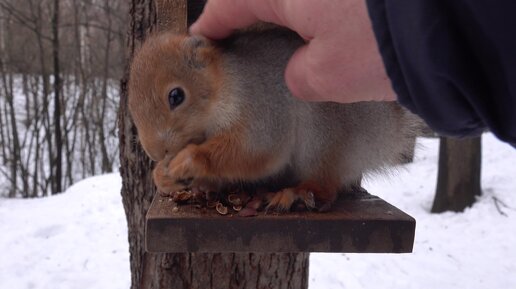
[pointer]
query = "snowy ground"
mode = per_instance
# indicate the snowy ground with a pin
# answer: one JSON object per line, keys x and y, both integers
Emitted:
{"x": 75, "y": 240}
{"x": 78, "y": 239}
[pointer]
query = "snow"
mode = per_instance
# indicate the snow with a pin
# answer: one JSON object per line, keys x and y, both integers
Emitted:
{"x": 474, "y": 249}
{"x": 74, "y": 240}
{"x": 79, "y": 239}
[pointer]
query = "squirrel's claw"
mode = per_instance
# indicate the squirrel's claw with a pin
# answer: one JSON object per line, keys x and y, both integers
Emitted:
{"x": 283, "y": 200}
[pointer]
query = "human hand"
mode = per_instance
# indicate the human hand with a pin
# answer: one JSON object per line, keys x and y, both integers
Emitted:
{"x": 340, "y": 61}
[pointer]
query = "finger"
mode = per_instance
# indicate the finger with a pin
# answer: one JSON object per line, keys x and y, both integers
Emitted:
{"x": 298, "y": 76}
{"x": 221, "y": 17}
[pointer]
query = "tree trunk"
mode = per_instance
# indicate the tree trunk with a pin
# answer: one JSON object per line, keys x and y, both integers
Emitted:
{"x": 15, "y": 160}
{"x": 58, "y": 165}
{"x": 458, "y": 180}
{"x": 45, "y": 113}
{"x": 106, "y": 166}
{"x": 177, "y": 271}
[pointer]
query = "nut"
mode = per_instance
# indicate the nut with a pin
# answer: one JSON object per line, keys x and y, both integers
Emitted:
{"x": 237, "y": 208}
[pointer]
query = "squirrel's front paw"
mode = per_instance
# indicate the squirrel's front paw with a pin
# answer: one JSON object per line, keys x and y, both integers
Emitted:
{"x": 177, "y": 174}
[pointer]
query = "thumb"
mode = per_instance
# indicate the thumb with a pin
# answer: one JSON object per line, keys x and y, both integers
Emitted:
{"x": 299, "y": 77}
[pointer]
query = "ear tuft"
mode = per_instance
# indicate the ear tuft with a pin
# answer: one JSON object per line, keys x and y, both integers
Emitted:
{"x": 197, "y": 50}
{"x": 196, "y": 41}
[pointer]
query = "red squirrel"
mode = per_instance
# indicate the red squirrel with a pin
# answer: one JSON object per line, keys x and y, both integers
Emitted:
{"x": 218, "y": 113}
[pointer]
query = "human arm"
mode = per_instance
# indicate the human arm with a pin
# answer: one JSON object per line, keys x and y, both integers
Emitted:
{"x": 452, "y": 62}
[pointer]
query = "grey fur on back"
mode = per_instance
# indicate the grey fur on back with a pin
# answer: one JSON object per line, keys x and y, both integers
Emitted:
{"x": 358, "y": 138}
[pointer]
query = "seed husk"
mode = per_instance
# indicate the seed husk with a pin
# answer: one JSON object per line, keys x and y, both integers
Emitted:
{"x": 221, "y": 209}
{"x": 234, "y": 199}
{"x": 183, "y": 196}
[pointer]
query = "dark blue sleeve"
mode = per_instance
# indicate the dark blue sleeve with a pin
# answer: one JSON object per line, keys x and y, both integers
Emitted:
{"x": 452, "y": 62}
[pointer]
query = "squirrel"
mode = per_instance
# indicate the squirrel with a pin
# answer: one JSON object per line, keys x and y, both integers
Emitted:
{"x": 214, "y": 113}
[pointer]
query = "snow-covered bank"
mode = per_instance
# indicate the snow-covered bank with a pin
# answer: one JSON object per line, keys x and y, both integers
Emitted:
{"x": 475, "y": 249}
{"x": 75, "y": 240}
{"x": 78, "y": 239}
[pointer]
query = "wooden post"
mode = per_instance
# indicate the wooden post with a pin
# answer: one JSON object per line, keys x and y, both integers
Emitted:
{"x": 183, "y": 270}
{"x": 172, "y": 15}
{"x": 262, "y": 252}
{"x": 458, "y": 180}
{"x": 357, "y": 223}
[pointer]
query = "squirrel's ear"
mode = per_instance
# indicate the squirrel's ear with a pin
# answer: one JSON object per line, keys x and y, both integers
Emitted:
{"x": 199, "y": 51}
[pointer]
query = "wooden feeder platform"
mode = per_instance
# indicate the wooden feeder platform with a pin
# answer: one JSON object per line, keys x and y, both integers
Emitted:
{"x": 357, "y": 223}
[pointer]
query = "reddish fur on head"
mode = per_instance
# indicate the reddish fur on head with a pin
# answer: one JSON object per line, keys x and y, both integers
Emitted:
{"x": 164, "y": 62}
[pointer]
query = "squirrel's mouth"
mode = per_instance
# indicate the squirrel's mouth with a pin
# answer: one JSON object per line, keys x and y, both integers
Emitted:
{"x": 171, "y": 152}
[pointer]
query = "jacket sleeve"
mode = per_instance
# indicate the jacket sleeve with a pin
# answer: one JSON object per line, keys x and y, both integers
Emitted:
{"x": 452, "y": 62}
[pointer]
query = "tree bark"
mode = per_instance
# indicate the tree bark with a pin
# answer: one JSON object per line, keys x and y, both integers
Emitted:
{"x": 106, "y": 165}
{"x": 177, "y": 271}
{"x": 458, "y": 180}
{"x": 58, "y": 164}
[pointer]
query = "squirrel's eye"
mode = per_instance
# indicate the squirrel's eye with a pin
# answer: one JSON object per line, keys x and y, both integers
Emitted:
{"x": 176, "y": 97}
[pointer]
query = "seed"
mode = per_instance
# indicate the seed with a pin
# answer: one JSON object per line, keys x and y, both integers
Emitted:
{"x": 182, "y": 196}
{"x": 234, "y": 199}
{"x": 223, "y": 210}
{"x": 309, "y": 200}
{"x": 247, "y": 212}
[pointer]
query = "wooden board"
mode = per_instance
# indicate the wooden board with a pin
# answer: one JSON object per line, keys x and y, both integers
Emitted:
{"x": 357, "y": 223}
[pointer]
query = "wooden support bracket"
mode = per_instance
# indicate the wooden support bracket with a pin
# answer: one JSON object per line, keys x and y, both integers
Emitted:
{"x": 357, "y": 223}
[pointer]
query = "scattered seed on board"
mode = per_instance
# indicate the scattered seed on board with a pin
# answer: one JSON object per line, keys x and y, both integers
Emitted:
{"x": 247, "y": 212}
{"x": 234, "y": 199}
{"x": 223, "y": 210}
{"x": 182, "y": 196}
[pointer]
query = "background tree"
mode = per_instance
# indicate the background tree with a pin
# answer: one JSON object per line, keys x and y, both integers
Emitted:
{"x": 58, "y": 95}
{"x": 458, "y": 180}
{"x": 206, "y": 271}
